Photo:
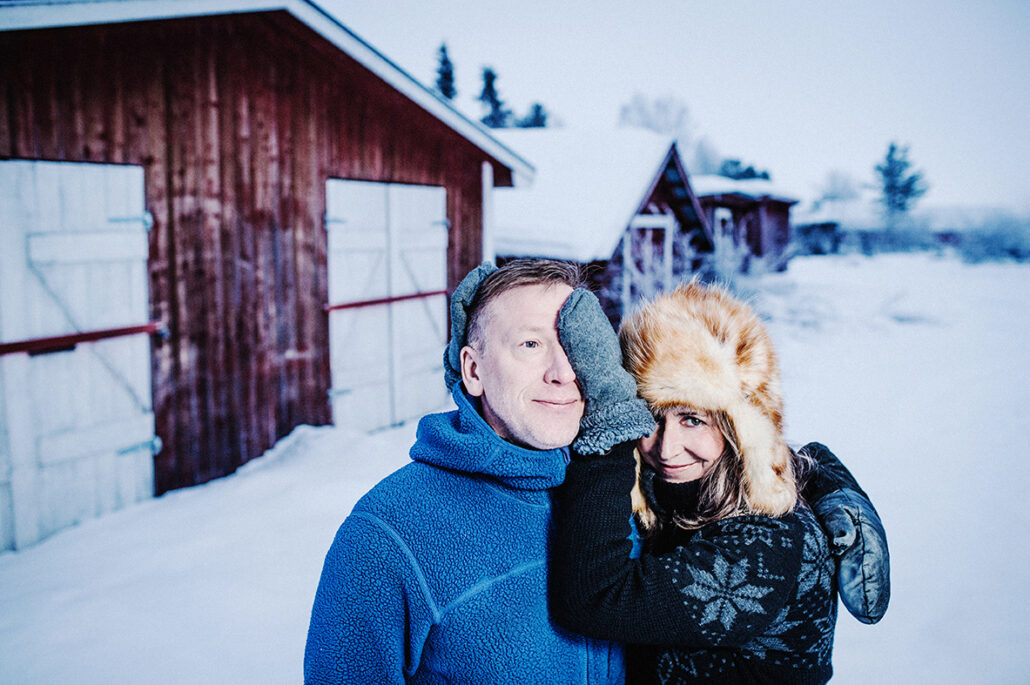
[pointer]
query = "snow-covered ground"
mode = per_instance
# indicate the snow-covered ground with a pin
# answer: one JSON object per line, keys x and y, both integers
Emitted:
{"x": 913, "y": 369}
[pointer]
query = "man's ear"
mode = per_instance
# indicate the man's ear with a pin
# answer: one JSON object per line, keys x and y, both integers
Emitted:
{"x": 470, "y": 371}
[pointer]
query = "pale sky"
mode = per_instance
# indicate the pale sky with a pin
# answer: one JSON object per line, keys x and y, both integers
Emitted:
{"x": 798, "y": 87}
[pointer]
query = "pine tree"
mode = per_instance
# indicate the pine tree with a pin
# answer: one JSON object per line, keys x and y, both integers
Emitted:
{"x": 900, "y": 188}
{"x": 536, "y": 118}
{"x": 445, "y": 74}
{"x": 497, "y": 116}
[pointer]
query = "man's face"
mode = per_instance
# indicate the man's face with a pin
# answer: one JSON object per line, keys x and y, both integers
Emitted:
{"x": 520, "y": 372}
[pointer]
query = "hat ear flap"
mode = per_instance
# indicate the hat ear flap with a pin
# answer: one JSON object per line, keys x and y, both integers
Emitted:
{"x": 769, "y": 484}
{"x": 648, "y": 519}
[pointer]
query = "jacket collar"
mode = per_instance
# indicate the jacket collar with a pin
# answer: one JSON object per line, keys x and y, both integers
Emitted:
{"x": 462, "y": 441}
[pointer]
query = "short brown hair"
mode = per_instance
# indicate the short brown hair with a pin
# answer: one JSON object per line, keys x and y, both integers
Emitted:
{"x": 514, "y": 274}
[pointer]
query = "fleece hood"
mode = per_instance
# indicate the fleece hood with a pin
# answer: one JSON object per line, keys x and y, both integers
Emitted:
{"x": 463, "y": 441}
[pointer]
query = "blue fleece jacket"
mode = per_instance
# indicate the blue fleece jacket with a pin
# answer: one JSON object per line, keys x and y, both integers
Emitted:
{"x": 439, "y": 574}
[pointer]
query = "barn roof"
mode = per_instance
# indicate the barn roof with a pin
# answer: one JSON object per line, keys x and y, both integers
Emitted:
{"x": 38, "y": 14}
{"x": 588, "y": 186}
{"x": 711, "y": 185}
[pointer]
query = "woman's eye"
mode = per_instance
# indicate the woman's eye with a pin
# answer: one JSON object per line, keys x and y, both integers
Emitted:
{"x": 690, "y": 420}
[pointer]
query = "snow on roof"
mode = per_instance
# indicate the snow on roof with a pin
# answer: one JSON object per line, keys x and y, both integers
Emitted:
{"x": 588, "y": 186}
{"x": 33, "y": 14}
{"x": 712, "y": 184}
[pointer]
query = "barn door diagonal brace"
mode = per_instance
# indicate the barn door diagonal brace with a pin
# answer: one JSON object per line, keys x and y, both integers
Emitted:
{"x": 70, "y": 319}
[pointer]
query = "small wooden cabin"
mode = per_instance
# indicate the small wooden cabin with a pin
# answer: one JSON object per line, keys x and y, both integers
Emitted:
{"x": 221, "y": 220}
{"x": 751, "y": 212}
{"x": 617, "y": 201}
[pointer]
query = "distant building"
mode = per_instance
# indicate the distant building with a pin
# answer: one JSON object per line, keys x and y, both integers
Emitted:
{"x": 859, "y": 225}
{"x": 753, "y": 211}
{"x": 618, "y": 201}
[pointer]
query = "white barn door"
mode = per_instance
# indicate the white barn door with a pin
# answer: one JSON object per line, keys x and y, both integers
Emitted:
{"x": 388, "y": 301}
{"x": 76, "y": 420}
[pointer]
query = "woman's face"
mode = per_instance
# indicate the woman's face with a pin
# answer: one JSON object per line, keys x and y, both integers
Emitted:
{"x": 685, "y": 447}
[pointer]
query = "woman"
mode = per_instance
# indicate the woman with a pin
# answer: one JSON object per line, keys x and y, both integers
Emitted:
{"x": 734, "y": 581}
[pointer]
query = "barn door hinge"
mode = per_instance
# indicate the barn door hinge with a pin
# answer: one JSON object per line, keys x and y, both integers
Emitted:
{"x": 326, "y": 220}
{"x": 154, "y": 444}
{"x": 147, "y": 219}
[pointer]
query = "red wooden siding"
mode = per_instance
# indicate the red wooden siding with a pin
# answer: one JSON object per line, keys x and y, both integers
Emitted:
{"x": 238, "y": 121}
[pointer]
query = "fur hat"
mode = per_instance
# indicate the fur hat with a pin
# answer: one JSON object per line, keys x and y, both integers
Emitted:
{"x": 701, "y": 347}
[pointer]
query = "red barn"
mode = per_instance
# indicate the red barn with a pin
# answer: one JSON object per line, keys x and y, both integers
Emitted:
{"x": 220, "y": 220}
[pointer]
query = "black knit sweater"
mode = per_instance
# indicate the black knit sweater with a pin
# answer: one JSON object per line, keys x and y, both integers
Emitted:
{"x": 749, "y": 599}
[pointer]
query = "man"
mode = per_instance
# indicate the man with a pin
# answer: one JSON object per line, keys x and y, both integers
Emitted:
{"x": 439, "y": 573}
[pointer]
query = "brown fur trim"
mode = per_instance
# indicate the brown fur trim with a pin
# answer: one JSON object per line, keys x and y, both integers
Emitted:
{"x": 701, "y": 347}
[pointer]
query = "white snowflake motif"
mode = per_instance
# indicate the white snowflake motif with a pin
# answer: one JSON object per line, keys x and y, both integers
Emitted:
{"x": 771, "y": 638}
{"x": 816, "y": 566}
{"x": 725, "y": 593}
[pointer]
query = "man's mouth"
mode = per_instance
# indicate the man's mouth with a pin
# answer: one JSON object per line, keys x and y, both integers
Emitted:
{"x": 559, "y": 403}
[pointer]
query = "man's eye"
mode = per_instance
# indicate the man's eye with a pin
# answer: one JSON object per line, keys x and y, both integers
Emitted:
{"x": 530, "y": 344}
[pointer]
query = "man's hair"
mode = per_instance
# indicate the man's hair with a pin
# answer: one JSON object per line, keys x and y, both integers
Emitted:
{"x": 514, "y": 274}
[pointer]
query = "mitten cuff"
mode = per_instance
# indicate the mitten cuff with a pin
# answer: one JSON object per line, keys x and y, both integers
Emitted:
{"x": 603, "y": 429}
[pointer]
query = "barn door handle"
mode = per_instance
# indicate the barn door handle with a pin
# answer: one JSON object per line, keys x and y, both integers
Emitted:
{"x": 155, "y": 444}
{"x": 147, "y": 219}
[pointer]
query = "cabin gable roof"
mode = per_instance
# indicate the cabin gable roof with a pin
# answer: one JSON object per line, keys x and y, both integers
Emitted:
{"x": 589, "y": 186}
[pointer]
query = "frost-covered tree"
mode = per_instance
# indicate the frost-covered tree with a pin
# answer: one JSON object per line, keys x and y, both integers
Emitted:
{"x": 838, "y": 186}
{"x": 666, "y": 115}
{"x": 445, "y": 74}
{"x": 497, "y": 116}
{"x": 900, "y": 188}
{"x": 536, "y": 118}
{"x": 706, "y": 159}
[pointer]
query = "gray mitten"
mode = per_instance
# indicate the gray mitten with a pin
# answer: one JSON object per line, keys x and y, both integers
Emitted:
{"x": 461, "y": 303}
{"x": 613, "y": 413}
{"x": 857, "y": 537}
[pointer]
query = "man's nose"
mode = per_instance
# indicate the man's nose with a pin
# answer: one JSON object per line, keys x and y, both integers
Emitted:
{"x": 559, "y": 370}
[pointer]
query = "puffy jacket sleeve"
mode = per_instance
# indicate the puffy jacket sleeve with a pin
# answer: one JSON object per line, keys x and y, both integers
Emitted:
{"x": 372, "y": 610}
{"x": 724, "y": 585}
